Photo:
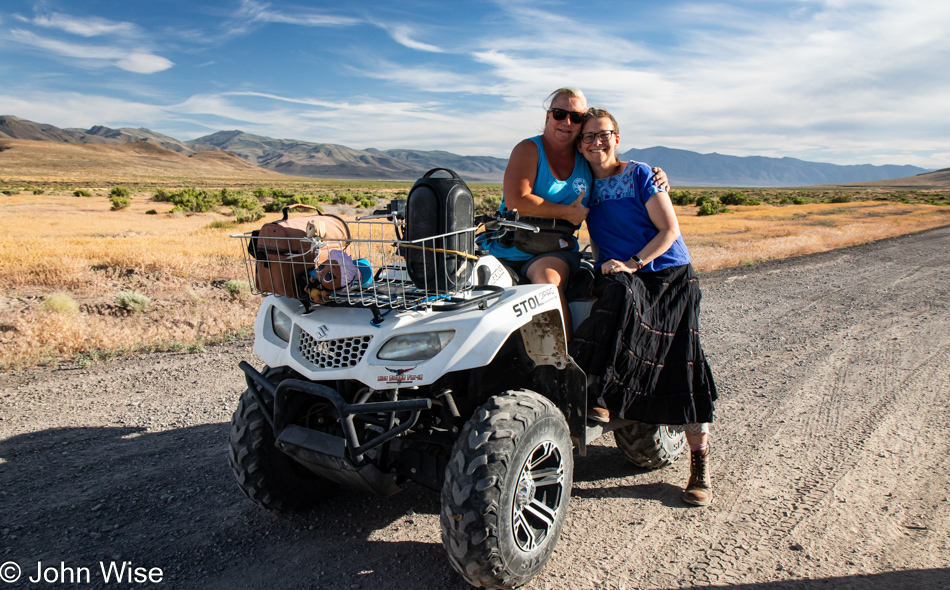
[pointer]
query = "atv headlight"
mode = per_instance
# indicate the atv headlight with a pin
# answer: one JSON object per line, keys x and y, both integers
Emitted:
{"x": 281, "y": 323}
{"x": 415, "y": 347}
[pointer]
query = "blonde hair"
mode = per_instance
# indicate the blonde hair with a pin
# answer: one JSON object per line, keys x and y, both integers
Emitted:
{"x": 571, "y": 92}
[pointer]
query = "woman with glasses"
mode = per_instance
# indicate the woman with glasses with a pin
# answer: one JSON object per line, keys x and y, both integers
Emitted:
{"x": 547, "y": 178}
{"x": 640, "y": 346}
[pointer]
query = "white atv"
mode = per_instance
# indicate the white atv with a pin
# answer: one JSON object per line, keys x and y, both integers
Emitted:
{"x": 465, "y": 387}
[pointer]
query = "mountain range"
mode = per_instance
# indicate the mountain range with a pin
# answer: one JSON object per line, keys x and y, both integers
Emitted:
{"x": 324, "y": 160}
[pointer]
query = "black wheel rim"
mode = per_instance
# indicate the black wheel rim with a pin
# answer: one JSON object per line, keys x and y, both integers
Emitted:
{"x": 536, "y": 506}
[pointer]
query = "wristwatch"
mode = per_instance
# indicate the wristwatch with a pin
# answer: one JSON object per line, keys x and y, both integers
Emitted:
{"x": 638, "y": 262}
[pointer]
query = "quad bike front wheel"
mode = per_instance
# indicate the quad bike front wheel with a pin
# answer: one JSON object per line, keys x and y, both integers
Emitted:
{"x": 506, "y": 490}
{"x": 266, "y": 475}
{"x": 650, "y": 446}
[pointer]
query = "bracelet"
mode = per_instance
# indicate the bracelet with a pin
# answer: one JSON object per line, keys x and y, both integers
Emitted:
{"x": 640, "y": 264}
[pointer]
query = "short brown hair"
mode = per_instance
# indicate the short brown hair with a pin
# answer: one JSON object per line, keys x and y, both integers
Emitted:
{"x": 595, "y": 113}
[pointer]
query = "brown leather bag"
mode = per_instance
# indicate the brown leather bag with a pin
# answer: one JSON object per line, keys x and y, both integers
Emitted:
{"x": 284, "y": 255}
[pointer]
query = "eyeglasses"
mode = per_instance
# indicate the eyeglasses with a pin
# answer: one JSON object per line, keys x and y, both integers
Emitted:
{"x": 603, "y": 136}
{"x": 561, "y": 114}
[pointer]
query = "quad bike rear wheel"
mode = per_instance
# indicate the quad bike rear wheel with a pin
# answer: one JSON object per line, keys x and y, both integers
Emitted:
{"x": 650, "y": 446}
{"x": 506, "y": 491}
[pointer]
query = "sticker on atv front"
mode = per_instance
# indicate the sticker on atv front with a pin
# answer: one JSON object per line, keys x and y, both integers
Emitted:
{"x": 535, "y": 301}
{"x": 399, "y": 376}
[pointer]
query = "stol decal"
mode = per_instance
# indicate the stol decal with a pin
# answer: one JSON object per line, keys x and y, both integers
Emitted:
{"x": 535, "y": 301}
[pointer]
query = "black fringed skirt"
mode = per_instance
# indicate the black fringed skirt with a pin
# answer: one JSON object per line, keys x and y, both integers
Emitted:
{"x": 642, "y": 340}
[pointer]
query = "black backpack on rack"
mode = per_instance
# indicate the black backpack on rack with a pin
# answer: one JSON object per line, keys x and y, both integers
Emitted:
{"x": 438, "y": 206}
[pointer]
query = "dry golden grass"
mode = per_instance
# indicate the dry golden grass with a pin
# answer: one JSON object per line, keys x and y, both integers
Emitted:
{"x": 57, "y": 243}
{"x": 765, "y": 232}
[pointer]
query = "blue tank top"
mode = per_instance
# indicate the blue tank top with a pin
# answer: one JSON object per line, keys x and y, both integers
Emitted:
{"x": 562, "y": 192}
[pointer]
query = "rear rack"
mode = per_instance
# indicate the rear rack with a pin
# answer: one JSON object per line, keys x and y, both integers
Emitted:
{"x": 378, "y": 269}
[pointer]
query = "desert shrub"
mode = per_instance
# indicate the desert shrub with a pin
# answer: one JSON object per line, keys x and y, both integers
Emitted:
{"x": 242, "y": 215}
{"x": 237, "y": 288}
{"x": 239, "y": 198}
{"x": 786, "y": 200}
{"x": 193, "y": 200}
{"x": 284, "y": 199}
{"x": 61, "y": 303}
{"x": 81, "y": 193}
{"x": 841, "y": 199}
{"x": 38, "y": 191}
{"x": 161, "y": 195}
{"x": 344, "y": 199}
{"x": 119, "y": 191}
{"x": 367, "y": 203}
{"x": 682, "y": 197}
{"x": 734, "y": 198}
{"x": 9, "y": 192}
{"x": 119, "y": 201}
{"x": 151, "y": 212}
{"x": 131, "y": 301}
{"x": 711, "y": 206}
{"x": 486, "y": 203}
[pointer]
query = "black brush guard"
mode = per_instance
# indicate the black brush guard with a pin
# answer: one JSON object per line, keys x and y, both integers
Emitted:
{"x": 335, "y": 458}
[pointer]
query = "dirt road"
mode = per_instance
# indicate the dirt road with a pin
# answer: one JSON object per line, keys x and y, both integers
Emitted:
{"x": 831, "y": 459}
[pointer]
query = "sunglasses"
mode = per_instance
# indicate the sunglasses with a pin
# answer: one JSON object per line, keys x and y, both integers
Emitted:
{"x": 561, "y": 114}
{"x": 603, "y": 136}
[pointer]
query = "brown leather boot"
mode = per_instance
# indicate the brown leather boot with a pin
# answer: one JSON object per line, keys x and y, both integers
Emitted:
{"x": 698, "y": 491}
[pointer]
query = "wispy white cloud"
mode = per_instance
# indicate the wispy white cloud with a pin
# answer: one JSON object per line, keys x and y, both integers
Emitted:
{"x": 139, "y": 62}
{"x": 403, "y": 34}
{"x": 86, "y": 27}
{"x": 252, "y": 13}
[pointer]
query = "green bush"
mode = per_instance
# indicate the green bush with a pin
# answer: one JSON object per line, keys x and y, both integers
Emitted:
{"x": 282, "y": 199}
{"x": 708, "y": 208}
{"x": 81, "y": 193}
{"x": 161, "y": 195}
{"x": 344, "y": 199}
{"x": 242, "y": 215}
{"x": 61, "y": 303}
{"x": 38, "y": 191}
{"x": 367, "y": 203}
{"x": 237, "y": 288}
{"x": 131, "y": 301}
{"x": 682, "y": 197}
{"x": 151, "y": 212}
{"x": 119, "y": 191}
{"x": 120, "y": 202}
{"x": 734, "y": 198}
{"x": 192, "y": 200}
{"x": 841, "y": 199}
{"x": 10, "y": 193}
{"x": 230, "y": 198}
{"x": 484, "y": 203}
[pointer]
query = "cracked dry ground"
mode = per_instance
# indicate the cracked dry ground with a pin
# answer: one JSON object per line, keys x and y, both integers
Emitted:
{"x": 831, "y": 459}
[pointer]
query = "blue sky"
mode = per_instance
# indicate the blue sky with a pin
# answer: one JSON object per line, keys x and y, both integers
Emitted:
{"x": 842, "y": 81}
